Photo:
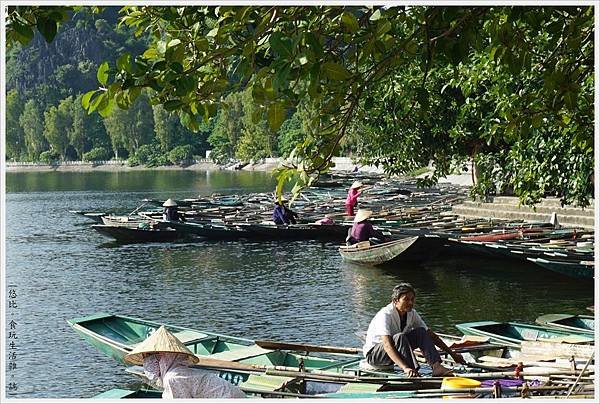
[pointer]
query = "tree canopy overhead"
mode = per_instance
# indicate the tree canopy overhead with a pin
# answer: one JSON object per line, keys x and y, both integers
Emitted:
{"x": 419, "y": 84}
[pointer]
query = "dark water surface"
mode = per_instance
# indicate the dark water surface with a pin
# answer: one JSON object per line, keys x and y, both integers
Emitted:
{"x": 294, "y": 291}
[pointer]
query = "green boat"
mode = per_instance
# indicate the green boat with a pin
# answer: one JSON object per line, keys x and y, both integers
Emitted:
{"x": 116, "y": 336}
{"x": 117, "y": 394}
{"x": 512, "y": 334}
{"x": 574, "y": 323}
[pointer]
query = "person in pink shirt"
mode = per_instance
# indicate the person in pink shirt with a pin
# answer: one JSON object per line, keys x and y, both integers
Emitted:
{"x": 352, "y": 198}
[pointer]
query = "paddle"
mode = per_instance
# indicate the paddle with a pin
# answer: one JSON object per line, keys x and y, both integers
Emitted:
{"x": 294, "y": 346}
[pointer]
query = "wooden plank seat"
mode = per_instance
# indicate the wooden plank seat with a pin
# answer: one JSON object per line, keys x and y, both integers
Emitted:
{"x": 240, "y": 353}
{"x": 266, "y": 382}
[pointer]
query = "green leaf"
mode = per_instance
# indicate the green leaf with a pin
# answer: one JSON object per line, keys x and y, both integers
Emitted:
{"x": 281, "y": 45}
{"x": 23, "y": 31}
{"x": 85, "y": 100}
{"x": 102, "y": 74}
{"x": 173, "y": 42}
{"x": 124, "y": 62}
{"x": 335, "y": 71}
{"x": 350, "y": 22}
{"x": 276, "y": 115}
{"x": 172, "y": 105}
{"x": 99, "y": 101}
{"x": 213, "y": 32}
{"x": 47, "y": 28}
{"x": 375, "y": 16}
{"x": 150, "y": 53}
{"x": 161, "y": 47}
{"x": 106, "y": 108}
{"x": 383, "y": 27}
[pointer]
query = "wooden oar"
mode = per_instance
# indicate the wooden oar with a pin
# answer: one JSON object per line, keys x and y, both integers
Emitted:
{"x": 294, "y": 346}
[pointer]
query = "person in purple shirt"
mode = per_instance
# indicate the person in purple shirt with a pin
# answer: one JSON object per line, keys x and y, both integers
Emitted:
{"x": 282, "y": 214}
{"x": 362, "y": 229}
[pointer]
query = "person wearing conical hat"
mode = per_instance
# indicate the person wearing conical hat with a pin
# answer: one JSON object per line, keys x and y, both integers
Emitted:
{"x": 363, "y": 230}
{"x": 352, "y": 198}
{"x": 166, "y": 361}
{"x": 170, "y": 212}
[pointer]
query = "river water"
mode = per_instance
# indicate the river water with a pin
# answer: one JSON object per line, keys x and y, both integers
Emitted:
{"x": 60, "y": 268}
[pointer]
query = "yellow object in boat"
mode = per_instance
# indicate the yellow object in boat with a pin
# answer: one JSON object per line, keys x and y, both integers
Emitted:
{"x": 459, "y": 383}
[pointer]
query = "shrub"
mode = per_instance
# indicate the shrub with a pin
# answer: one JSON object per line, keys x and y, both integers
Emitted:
{"x": 96, "y": 154}
{"x": 49, "y": 156}
{"x": 180, "y": 153}
{"x": 149, "y": 155}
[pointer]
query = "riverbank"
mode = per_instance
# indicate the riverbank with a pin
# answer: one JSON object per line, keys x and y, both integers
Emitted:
{"x": 106, "y": 166}
{"x": 269, "y": 164}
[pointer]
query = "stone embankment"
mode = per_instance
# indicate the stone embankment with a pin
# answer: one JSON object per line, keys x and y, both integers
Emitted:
{"x": 507, "y": 207}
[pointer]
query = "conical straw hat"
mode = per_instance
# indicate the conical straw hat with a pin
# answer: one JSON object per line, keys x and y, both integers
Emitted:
{"x": 362, "y": 214}
{"x": 356, "y": 184}
{"x": 161, "y": 340}
{"x": 169, "y": 202}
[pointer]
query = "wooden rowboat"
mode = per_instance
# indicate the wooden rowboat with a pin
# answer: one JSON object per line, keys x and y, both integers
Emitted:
{"x": 377, "y": 254}
{"x": 574, "y": 323}
{"x": 124, "y": 234}
{"x": 233, "y": 358}
{"x": 513, "y": 334}
{"x": 575, "y": 269}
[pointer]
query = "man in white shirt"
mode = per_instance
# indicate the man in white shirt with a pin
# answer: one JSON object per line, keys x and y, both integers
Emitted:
{"x": 397, "y": 329}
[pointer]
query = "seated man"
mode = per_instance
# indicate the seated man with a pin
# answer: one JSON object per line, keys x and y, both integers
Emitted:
{"x": 167, "y": 361}
{"x": 362, "y": 229}
{"x": 397, "y": 329}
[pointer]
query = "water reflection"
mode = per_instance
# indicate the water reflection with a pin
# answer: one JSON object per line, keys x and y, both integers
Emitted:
{"x": 296, "y": 291}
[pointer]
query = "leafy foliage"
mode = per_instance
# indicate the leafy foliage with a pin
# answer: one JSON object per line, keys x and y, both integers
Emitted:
{"x": 96, "y": 154}
{"x": 181, "y": 153}
{"x": 408, "y": 84}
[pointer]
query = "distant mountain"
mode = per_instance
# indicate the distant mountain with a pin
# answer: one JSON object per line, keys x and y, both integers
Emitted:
{"x": 68, "y": 65}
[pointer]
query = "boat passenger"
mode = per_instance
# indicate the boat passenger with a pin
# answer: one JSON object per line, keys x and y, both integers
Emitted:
{"x": 282, "y": 214}
{"x": 397, "y": 329}
{"x": 325, "y": 220}
{"x": 362, "y": 230}
{"x": 167, "y": 362}
{"x": 170, "y": 212}
{"x": 352, "y": 198}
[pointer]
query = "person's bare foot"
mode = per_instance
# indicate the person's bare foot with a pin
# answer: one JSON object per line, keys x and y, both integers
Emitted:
{"x": 437, "y": 370}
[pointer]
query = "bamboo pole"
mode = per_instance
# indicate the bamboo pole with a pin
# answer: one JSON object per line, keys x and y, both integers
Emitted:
{"x": 580, "y": 374}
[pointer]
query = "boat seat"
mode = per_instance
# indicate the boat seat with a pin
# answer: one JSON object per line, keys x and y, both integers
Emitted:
{"x": 360, "y": 387}
{"x": 240, "y": 353}
{"x": 266, "y": 382}
{"x": 186, "y": 336}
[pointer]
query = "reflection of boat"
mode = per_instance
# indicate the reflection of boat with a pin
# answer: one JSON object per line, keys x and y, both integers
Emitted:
{"x": 333, "y": 232}
{"x": 514, "y": 333}
{"x": 568, "y": 322}
{"x": 124, "y": 234}
{"x": 575, "y": 269}
{"x": 377, "y": 254}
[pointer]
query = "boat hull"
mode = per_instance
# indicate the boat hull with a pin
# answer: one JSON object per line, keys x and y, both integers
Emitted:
{"x": 380, "y": 254}
{"x": 124, "y": 234}
{"x": 514, "y": 333}
{"x": 578, "y": 323}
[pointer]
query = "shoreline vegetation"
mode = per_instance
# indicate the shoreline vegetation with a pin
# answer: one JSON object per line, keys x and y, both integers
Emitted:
{"x": 342, "y": 164}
